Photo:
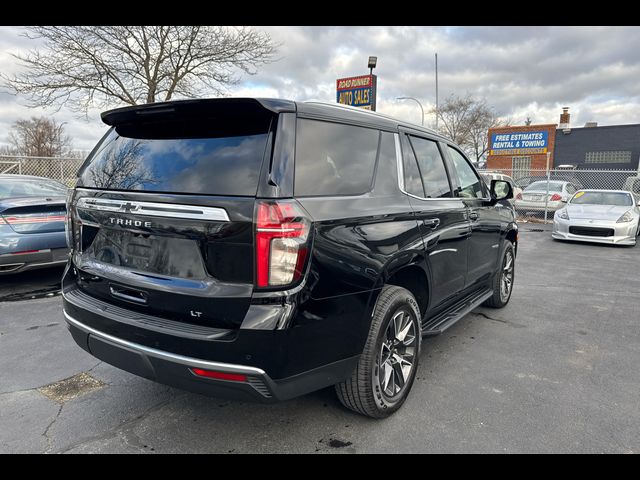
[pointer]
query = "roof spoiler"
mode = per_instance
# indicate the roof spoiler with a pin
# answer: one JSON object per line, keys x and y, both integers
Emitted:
{"x": 195, "y": 108}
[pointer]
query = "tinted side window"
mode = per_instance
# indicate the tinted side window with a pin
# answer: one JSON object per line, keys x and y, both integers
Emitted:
{"x": 387, "y": 170}
{"x": 470, "y": 186}
{"x": 412, "y": 180}
{"x": 334, "y": 159}
{"x": 431, "y": 165}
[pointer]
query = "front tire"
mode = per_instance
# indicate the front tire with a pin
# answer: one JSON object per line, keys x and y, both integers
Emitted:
{"x": 503, "y": 279}
{"x": 387, "y": 368}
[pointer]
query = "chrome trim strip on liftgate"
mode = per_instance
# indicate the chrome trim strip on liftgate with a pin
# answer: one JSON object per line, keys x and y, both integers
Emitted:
{"x": 152, "y": 209}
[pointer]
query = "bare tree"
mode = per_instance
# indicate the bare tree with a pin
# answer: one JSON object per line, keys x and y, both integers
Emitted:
{"x": 483, "y": 119}
{"x": 455, "y": 116}
{"x": 84, "y": 66}
{"x": 466, "y": 120}
{"x": 122, "y": 169}
{"x": 39, "y": 137}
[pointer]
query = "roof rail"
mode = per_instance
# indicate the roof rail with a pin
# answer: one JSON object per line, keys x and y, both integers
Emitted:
{"x": 368, "y": 112}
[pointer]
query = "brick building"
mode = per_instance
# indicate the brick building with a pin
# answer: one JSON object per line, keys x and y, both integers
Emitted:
{"x": 525, "y": 148}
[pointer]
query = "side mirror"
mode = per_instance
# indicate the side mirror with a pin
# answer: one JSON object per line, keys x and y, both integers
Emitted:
{"x": 500, "y": 190}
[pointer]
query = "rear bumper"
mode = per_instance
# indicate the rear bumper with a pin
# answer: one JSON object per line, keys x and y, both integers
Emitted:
{"x": 528, "y": 206}
{"x": 176, "y": 369}
{"x": 15, "y": 263}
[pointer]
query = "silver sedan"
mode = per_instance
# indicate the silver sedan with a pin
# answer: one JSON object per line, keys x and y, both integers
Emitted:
{"x": 602, "y": 216}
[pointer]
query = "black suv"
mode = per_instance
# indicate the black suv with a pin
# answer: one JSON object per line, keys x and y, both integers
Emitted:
{"x": 263, "y": 249}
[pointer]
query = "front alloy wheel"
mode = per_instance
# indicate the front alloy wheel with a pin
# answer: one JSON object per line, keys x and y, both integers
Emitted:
{"x": 506, "y": 280}
{"x": 502, "y": 283}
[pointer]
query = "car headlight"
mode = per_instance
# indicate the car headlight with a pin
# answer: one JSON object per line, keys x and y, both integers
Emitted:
{"x": 627, "y": 217}
{"x": 563, "y": 214}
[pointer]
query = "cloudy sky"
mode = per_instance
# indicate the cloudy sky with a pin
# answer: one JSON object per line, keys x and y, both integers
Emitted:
{"x": 521, "y": 71}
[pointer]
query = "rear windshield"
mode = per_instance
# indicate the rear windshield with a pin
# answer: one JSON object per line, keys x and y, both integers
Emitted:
{"x": 20, "y": 187}
{"x": 603, "y": 198}
{"x": 542, "y": 186}
{"x": 207, "y": 156}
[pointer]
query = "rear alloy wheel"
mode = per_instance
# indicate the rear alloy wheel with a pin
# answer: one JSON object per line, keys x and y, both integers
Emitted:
{"x": 387, "y": 367}
{"x": 397, "y": 355}
{"x": 503, "y": 279}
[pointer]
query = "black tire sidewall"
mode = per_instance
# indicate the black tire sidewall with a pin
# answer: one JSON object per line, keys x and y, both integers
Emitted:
{"x": 404, "y": 299}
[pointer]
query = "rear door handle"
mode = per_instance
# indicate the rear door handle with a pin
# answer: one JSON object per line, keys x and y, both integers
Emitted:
{"x": 431, "y": 223}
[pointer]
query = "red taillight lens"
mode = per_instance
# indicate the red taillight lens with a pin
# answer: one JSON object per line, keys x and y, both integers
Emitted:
{"x": 519, "y": 196}
{"x": 556, "y": 197}
{"x": 282, "y": 230}
{"x": 25, "y": 219}
{"x": 233, "y": 377}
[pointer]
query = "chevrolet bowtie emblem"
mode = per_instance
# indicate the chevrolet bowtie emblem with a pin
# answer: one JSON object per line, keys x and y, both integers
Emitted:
{"x": 128, "y": 207}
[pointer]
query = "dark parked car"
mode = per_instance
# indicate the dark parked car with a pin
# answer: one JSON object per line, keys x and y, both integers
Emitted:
{"x": 262, "y": 249}
{"x": 32, "y": 222}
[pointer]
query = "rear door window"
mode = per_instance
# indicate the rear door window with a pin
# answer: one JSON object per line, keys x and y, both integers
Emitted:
{"x": 432, "y": 170}
{"x": 412, "y": 178}
{"x": 205, "y": 156}
{"x": 334, "y": 159}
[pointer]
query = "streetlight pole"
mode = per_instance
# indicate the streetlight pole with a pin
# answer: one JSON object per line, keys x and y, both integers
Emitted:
{"x": 436, "y": 91}
{"x": 415, "y": 100}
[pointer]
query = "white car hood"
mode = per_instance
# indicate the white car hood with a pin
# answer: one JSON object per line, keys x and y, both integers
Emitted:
{"x": 596, "y": 212}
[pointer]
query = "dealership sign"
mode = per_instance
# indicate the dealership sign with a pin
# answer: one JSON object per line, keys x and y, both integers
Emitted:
{"x": 357, "y": 91}
{"x": 519, "y": 143}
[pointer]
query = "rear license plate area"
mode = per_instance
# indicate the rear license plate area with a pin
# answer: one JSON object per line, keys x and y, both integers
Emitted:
{"x": 163, "y": 255}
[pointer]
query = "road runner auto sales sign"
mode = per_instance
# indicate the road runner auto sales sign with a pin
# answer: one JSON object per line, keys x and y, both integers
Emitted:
{"x": 357, "y": 91}
{"x": 519, "y": 143}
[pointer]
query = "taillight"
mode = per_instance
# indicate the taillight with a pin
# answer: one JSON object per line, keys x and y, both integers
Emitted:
{"x": 282, "y": 231}
{"x": 556, "y": 197}
{"x": 68, "y": 225}
{"x": 519, "y": 196}
{"x": 38, "y": 218}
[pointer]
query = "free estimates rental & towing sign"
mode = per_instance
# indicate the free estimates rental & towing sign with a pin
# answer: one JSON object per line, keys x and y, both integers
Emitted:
{"x": 519, "y": 143}
{"x": 357, "y": 91}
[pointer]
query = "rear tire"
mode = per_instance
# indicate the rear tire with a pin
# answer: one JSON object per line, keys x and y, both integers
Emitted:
{"x": 387, "y": 367}
{"x": 503, "y": 278}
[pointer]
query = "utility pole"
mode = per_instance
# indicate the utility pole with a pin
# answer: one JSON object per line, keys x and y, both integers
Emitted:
{"x": 436, "y": 91}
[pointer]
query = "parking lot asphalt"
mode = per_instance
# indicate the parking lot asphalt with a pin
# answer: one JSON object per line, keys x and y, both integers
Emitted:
{"x": 30, "y": 284}
{"x": 554, "y": 371}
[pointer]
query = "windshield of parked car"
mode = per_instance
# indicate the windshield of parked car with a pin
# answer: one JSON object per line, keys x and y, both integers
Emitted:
{"x": 542, "y": 186}
{"x": 618, "y": 199}
{"x": 21, "y": 187}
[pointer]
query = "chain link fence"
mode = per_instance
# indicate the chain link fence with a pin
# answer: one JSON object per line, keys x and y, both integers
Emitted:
{"x": 539, "y": 193}
{"x": 61, "y": 169}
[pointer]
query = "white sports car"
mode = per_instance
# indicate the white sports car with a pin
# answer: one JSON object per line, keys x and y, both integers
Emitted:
{"x": 602, "y": 216}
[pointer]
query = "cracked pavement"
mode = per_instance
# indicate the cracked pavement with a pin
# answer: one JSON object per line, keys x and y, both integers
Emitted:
{"x": 555, "y": 371}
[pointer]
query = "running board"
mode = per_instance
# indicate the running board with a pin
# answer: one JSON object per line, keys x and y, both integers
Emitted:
{"x": 444, "y": 320}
